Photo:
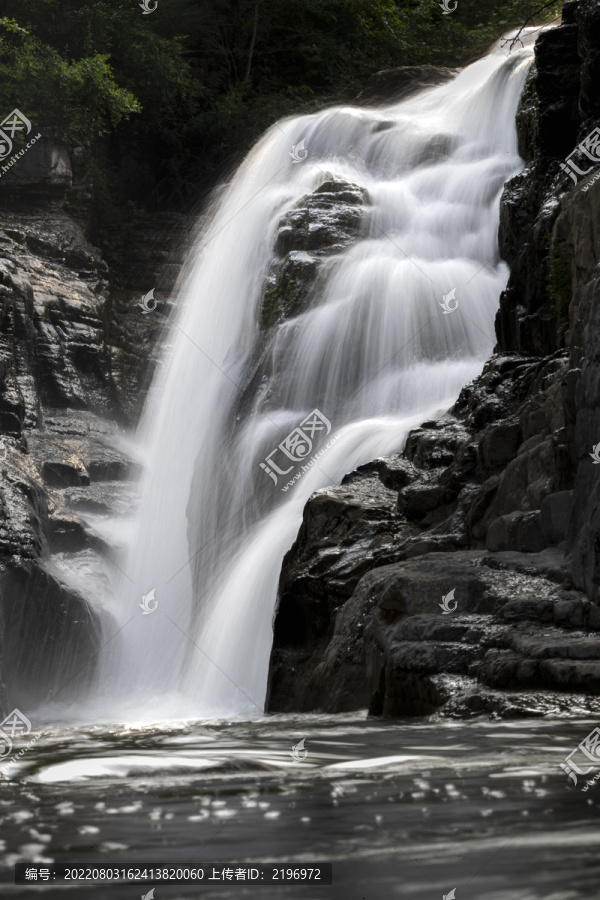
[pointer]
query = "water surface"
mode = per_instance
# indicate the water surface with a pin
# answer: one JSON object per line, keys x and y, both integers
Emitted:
{"x": 406, "y": 810}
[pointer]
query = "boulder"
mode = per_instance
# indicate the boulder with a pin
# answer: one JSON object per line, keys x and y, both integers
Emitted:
{"x": 498, "y": 445}
{"x": 435, "y": 444}
{"x": 516, "y": 531}
{"x": 321, "y": 224}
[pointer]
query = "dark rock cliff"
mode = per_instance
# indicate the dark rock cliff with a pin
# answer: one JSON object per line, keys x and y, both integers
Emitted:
{"x": 75, "y": 359}
{"x": 499, "y": 499}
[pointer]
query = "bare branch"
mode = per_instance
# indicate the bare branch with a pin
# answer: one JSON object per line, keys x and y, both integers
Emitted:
{"x": 530, "y": 20}
{"x": 252, "y": 42}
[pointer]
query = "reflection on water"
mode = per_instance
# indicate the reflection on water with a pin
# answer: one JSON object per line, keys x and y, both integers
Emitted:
{"x": 401, "y": 810}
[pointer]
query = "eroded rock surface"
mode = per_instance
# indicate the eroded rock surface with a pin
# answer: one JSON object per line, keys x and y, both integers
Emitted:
{"x": 75, "y": 357}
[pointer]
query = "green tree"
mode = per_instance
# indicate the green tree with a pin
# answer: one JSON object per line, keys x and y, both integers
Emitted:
{"x": 165, "y": 103}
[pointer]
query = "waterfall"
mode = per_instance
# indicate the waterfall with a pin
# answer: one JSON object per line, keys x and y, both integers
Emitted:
{"x": 373, "y": 352}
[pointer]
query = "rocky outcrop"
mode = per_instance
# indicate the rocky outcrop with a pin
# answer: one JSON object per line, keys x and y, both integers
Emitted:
{"x": 496, "y": 503}
{"x": 54, "y": 298}
{"x": 393, "y": 652}
{"x": 556, "y": 112}
{"x": 319, "y": 226}
{"x": 584, "y": 533}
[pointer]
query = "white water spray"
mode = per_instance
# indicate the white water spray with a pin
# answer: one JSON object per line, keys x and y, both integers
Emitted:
{"x": 375, "y": 352}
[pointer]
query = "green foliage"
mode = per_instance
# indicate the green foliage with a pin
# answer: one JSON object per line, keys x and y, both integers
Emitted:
{"x": 165, "y": 103}
{"x": 205, "y": 76}
{"x": 114, "y": 219}
{"x": 80, "y": 99}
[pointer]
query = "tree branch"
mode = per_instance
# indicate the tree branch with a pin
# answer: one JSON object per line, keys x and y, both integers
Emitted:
{"x": 252, "y": 42}
{"x": 530, "y": 20}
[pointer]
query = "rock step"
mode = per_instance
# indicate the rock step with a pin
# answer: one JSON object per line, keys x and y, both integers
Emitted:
{"x": 503, "y": 669}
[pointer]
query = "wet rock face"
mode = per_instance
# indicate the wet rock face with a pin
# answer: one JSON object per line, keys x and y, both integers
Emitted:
{"x": 559, "y": 108}
{"x": 73, "y": 359}
{"x": 395, "y": 651}
{"x": 42, "y": 617}
{"x": 533, "y": 314}
{"x": 54, "y": 495}
{"x": 54, "y": 303}
{"x": 321, "y": 225}
{"x": 584, "y": 534}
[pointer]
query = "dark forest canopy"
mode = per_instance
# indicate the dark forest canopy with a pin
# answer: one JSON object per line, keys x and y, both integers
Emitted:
{"x": 182, "y": 92}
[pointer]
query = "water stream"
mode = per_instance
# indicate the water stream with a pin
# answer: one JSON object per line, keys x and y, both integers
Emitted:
{"x": 407, "y": 811}
{"x": 374, "y": 352}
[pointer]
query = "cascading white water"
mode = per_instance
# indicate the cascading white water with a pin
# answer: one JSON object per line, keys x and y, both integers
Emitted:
{"x": 374, "y": 352}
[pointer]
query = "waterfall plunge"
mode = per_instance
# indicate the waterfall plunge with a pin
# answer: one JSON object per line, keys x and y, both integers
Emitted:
{"x": 374, "y": 352}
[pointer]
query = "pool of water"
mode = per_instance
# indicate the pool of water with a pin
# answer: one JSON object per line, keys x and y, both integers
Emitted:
{"x": 401, "y": 810}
